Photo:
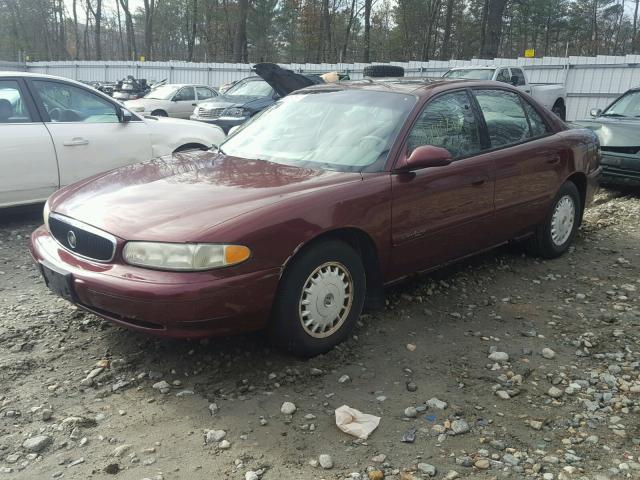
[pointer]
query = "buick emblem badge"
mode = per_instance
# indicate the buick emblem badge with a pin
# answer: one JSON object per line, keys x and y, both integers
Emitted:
{"x": 71, "y": 238}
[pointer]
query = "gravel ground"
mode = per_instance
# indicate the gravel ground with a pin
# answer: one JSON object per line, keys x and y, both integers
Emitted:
{"x": 536, "y": 364}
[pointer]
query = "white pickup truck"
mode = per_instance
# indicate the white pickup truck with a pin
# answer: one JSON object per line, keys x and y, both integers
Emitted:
{"x": 552, "y": 96}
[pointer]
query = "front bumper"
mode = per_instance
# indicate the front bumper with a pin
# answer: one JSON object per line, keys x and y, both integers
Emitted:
{"x": 621, "y": 171}
{"x": 171, "y": 304}
{"x": 226, "y": 123}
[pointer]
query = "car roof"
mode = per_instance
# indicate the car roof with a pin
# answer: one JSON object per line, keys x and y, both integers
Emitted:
{"x": 419, "y": 86}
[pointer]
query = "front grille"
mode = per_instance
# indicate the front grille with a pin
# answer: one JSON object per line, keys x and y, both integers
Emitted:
{"x": 210, "y": 113}
{"x": 81, "y": 239}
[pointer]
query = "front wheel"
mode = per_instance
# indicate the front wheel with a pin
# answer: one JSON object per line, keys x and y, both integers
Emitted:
{"x": 555, "y": 235}
{"x": 319, "y": 299}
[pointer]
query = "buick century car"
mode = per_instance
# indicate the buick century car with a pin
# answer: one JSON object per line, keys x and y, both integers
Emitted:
{"x": 315, "y": 205}
{"x": 618, "y": 128}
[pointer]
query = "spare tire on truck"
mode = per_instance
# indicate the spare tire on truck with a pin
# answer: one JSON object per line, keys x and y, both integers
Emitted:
{"x": 383, "y": 71}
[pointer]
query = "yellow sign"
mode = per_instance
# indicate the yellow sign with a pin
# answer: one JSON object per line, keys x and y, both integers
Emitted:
{"x": 142, "y": 58}
{"x": 529, "y": 53}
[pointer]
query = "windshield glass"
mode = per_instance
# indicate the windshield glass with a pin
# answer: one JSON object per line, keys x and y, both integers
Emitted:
{"x": 164, "y": 92}
{"x": 336, "y": 130}
{"x": 471, "y": 74}
{"x": 251, "y": 88}
{"x": 626, "y": 106}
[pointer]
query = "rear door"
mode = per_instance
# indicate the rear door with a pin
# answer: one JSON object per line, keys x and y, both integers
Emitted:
{"x": 443, "y": 213}
{"x": 86, "y": 131}
{"x": 528, "y": 161}
{"x": 27, "y": 156}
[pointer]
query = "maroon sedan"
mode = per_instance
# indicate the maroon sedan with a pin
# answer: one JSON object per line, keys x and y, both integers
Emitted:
{"x": 308, "y": 210}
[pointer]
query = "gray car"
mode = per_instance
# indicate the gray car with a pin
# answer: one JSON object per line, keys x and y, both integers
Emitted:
{"x": 618, "y": 128}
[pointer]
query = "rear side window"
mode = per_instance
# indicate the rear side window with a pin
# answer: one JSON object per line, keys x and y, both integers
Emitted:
{"x": 516, "y": 72}
{"x": 12, "y": 106}
{"x": 447, "y": 121}
{"x": 538, "y": 126}
{"x": 505, "y": 118}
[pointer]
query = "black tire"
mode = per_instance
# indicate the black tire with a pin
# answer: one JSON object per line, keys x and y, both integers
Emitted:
{"x": 159, "y": 113}
{"x": 378, "y": 71}
{"x": 286, "y": 326}
{"x": 542, "y": 243}
{"x": 559, "y": 110}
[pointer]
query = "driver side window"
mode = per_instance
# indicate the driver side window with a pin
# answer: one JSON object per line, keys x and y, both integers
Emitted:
{"x": 447, "y": 121}
{"x": 186, "y": 94}
{"x": 503, "y": 76}
{"x": 68, "y": 103}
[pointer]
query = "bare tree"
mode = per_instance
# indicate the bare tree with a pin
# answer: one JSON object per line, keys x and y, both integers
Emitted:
{"x": 149, "y": 10}
{"x": 366, "y": 48}
{"x": 493, "y": 31}
{"x": 240, "y": 39}
{"x": 131, "y": 34}
{"x": 97, "y": 15}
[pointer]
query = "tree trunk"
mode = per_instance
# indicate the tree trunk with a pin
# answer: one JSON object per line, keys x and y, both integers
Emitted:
{"x": 366, "y": 48}
{"x": 131, "y": 34}
{"x": 493, "y": 29}
{"x": 191, "y": 41}
{"x": 122, "y": 55}
{"x": 446, "y": 36}
{"x": 634, "y": 39}
{"x": 240, "y": 40}
{"x": 149, "y": 9}
{"x": 97, "y": 15}
{"x": 483, "y": 27}
{"x": 594, "y": 29}
{"x": 325, "y": 20}
{"x": 345, "y": 45}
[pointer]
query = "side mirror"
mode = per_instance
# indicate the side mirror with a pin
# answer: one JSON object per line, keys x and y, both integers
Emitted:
{"x": 595, "y": 112}
{"x": 514, "y": 80}
{"x": 125, "y": 116}
{"x": 426, "y": 156}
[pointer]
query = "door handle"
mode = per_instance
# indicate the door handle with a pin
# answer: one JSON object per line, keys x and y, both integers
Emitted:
{"x": 76, "y": 141}
{"x": 555, "y": 160}
{"x": 476, "y": 182}
{"x": 194, "y": 104}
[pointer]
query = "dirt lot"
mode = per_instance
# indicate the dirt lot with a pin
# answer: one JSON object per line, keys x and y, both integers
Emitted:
{"x": 567, "y": 412}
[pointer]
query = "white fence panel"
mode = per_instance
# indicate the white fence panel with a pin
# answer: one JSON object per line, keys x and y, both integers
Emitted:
{"x": 591, "y": 82}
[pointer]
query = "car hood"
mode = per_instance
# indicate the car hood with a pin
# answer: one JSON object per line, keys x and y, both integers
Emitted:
{"x": 180, "y": 198}
{"x": 225, "y": 101}
{"x": 284, "y": 81}
{"x": 615, "y": 132}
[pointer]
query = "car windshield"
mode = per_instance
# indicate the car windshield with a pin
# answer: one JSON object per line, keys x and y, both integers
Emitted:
{"x": 471, "y": 73}
{"x": 250, "y": 88}
{"x": 164, "y": 92}
{"x": 344, "y": 130}
{"x": 627, "y": 105}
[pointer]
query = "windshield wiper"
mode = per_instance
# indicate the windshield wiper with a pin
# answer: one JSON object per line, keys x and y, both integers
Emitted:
{"x": 612, "y": 115}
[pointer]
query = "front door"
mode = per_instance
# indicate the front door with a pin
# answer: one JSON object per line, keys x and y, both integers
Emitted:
{"x": 86, "y": 131}
{"x": 27, "y": 157}
{"x": 443, "y": 213}
{"x": 184, "y": 101}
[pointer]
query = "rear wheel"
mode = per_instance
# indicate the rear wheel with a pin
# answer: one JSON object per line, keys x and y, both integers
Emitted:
{"x": 555, "y": 235}
{"x": 319, "y": 299}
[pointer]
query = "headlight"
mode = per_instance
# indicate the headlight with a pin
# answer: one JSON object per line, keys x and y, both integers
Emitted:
{"x": 45, "y": 214}
{"x": 236, "y": 112}
{"x": 184, "y": 256}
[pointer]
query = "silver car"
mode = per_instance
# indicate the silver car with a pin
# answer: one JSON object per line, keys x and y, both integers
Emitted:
{"x": 171, "y": 100}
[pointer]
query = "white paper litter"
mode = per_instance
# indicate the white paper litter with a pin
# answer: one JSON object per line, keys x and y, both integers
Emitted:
{"x": 356, "y": 423}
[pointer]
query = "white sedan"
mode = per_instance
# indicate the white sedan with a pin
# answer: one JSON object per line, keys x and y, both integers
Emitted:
{"x": 55, "y": 131}
{"x": 171, "y": 100}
